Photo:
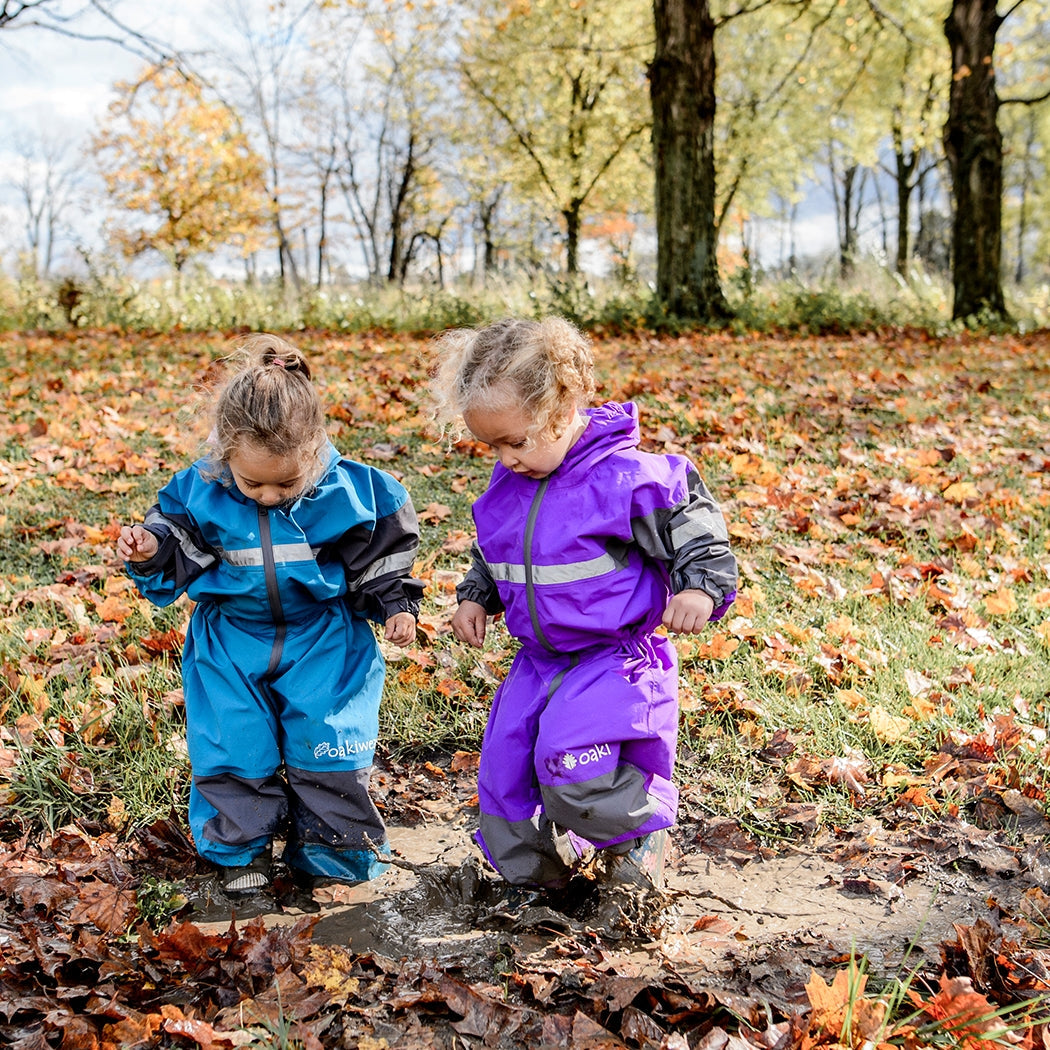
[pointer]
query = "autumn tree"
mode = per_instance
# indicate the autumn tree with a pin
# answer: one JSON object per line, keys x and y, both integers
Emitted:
{"x": 266, "y": 73}
{"x": 181, "y": 169}
{"x": 880, "y": 68}
{"x": 765, "y": 134}
{"x": 388, "y": 96}
{"x": 567, "y": 83}
{"x": 1026, "y": 133}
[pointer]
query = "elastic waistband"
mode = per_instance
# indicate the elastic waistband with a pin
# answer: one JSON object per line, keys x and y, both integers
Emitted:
{"x": 636, "y": 639}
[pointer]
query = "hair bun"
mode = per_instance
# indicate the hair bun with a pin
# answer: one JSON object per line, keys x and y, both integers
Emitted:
{"x": 287, "y": 358}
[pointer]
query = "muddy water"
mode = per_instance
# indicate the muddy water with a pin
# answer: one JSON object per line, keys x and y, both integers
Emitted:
{"x": 763, "y": 924}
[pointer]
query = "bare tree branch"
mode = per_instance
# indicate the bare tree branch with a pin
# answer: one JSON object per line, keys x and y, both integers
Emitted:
{"x": 1032, "y": 100}
{"x": 48, "y": 15}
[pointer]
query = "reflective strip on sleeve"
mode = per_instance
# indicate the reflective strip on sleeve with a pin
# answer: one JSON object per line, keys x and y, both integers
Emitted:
{"x": 701, "y": 522}
{"x": 187, "y": 544}
{"x": 399, "y": 562}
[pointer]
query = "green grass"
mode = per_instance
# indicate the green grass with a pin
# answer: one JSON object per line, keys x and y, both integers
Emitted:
{"x": 881, "y": 491}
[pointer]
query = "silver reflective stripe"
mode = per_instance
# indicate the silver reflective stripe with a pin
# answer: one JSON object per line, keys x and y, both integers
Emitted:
{"x": 186, "y": 543}
{"x": 571, "y": 572}
{"x": 701, "y": 522}
{"x": 282, "y": 553}
{"x": 400, "y": 562}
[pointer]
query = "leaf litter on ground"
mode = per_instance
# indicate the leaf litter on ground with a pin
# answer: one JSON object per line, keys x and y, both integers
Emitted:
{"x": 863, "y": 748}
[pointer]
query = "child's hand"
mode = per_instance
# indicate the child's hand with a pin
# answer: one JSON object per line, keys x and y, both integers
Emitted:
{"x": 400, "y": 628}
{"x": 136, "y": 543}
{"x": 468, "y": 624}
{"x": 688, "y": 611}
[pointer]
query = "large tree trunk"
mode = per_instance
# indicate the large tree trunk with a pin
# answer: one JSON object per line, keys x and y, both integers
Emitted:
{"x": 974, "y": 147}
{"x": 682, "y": 89}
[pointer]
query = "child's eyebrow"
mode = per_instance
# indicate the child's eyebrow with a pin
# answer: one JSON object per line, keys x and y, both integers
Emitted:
{"x": 284, "y": 481}
{"x": 505, "y": 439}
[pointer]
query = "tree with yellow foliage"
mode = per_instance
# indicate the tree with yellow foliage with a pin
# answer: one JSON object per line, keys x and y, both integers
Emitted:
{"x": 181, "y": 170}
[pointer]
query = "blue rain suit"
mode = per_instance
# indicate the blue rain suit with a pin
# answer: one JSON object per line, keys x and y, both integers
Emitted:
{"x": 579, "y": 749}
{"x": 281, "y": 667}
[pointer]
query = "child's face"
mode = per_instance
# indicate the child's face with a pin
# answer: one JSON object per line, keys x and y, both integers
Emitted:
{"x": 506, "y": 432}
{"x": 264, "y": 477}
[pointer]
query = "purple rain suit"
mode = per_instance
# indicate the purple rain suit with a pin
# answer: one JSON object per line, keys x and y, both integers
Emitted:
{"x": 579, "y": 749}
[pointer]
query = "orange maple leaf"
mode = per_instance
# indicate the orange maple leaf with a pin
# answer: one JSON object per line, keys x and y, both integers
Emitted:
{"x": 965, "y": 1014}
{"x": 840, "y": 1011}
{"x": 113, "y": 610}
{"x": 720, "y": 647}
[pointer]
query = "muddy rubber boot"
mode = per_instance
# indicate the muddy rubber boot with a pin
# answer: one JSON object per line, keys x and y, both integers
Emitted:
{"x": 643, "y": 864}
{"x": 518, "y": 898}
{"x": 245, "y": 880}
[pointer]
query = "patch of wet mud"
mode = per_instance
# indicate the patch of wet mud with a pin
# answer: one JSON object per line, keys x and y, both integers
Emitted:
{"x": 762, "y": 925}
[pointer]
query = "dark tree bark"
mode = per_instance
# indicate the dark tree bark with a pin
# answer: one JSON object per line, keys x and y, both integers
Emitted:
{"x": 906, "y": 162}
{"x": 682, "y": 89}
{"x": 973, "y": 144}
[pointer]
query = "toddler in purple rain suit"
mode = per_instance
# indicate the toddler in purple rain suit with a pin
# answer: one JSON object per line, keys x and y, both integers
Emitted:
{"x": 587, "y": 545}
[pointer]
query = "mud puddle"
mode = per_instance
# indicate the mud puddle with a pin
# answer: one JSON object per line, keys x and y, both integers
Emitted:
{"x": 761, "y": 925}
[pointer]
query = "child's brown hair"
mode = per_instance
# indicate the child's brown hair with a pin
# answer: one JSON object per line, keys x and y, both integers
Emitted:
{"x": 270, "y": 402}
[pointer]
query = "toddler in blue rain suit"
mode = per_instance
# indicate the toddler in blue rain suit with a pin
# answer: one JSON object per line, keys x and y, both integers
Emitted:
{"x": 288, "y": 550}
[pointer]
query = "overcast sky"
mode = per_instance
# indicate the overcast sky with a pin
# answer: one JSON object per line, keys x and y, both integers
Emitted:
{"x": 47, "y": 76}
{"x": 58, "y": 88}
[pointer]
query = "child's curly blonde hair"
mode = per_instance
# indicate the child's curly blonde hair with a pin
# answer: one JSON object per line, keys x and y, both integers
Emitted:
{"x": 542, "y": 367}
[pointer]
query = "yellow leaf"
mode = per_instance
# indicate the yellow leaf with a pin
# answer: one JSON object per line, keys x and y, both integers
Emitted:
{"x": 748, "y": 465}
{"x": 104, "y": 684}
{"x": 1002, "y": 603}
{"x": 850, "y": 698}
{"x": 889, "y": 728}
{"x": 841, "y": 627}
{"x": 921, "y": 709}
{"x": 960, "y": 491}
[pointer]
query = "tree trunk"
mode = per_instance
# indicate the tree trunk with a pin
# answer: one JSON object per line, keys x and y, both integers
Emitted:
{"x": 973, "y": 145}
{"x": 573, "y": 221}
{"x": 400, "y": 256}
{"x": 682, "y": 90}
{"x": 848, "y": 232}
{"x": 906, "y": 162}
